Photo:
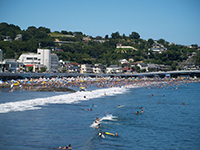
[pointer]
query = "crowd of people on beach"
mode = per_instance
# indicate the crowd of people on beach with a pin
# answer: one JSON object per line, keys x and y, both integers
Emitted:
{"x": 85, "y": 82}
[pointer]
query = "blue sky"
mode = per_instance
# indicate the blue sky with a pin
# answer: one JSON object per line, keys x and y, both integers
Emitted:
{"x": 173, "y": 20}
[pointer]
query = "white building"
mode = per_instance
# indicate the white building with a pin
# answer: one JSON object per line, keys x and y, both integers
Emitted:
{"x": 113, "y": 69}
{"x": 86, "y": 68}
{"x": 97, "y": 68}
{"x": 43, "y": 58}
{"x": 28, "y": 59}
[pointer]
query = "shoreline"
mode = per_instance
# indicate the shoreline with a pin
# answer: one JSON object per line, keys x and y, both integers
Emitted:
{"x": 67, "y": 84}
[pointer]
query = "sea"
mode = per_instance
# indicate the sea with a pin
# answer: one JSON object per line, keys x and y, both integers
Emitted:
{"x": 48, "y": 120}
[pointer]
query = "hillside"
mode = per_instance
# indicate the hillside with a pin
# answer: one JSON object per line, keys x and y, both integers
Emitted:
{"x": 79, "y": 48}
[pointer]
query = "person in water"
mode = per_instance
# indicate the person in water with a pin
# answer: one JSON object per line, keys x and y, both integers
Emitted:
{"x": 97, "y": 120}
{"x": 88, "y": 109}
{"x": 101, "y": 135}
{"x": 67, "y": 147}
{"x": 116, "y": 134}
{"x": 142, "y": 111}
{"x": 98, "y": 126}
{"x": 137, "y": 113}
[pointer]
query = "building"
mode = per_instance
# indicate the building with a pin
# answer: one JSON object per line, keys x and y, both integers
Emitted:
{"x": 142, "y": 66}
{"x": 153, "y": 67}
{"x": 113, "y": 69}
{"x": 28, "y": 59}
{"x": 156, "y": 47}
{"x": 43, "y": 58}
{"x": 18, "y": 37}
{"x": 97, "y": 68}
{"x": 86, "y": 68}
{"x": 11, "y": 65}
{"x": 123, "y": 61}
{"x": 54, "y": 63}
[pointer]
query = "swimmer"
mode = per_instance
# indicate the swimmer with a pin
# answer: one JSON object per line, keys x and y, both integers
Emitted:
{"x": 137, "y": 113}
{"x": 101, "y": 135}
{"x": 142, "y": 111}
{"x": 116, "y": 134}
{"x": 67, "y": 147}
{"x": 97, "y": 126}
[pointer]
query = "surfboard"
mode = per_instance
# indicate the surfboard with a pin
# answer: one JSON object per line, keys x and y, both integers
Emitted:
{"x": 120, "y": 106}
{"x": 108, "y": 133}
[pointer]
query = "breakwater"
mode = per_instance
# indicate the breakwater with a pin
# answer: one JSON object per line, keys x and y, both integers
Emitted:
{"x": 189, "y": 73}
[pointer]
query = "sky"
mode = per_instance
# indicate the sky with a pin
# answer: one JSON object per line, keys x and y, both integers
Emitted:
{"x": 175, "y": 21}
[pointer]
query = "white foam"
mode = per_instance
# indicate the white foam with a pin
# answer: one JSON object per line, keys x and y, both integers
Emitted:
{"x": 109, "y": 117}
{"x": 61, "y": 99}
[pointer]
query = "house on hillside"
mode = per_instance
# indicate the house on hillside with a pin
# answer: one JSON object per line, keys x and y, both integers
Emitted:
{"x": 156, "y": 47}
{"x": 18, "y": 37}
{"x": 123, "y": 61}
{"x": 86, "y": 39}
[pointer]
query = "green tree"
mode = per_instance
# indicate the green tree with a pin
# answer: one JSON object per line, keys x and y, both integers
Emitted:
{"x": 9, "y": 53}
{"x": 30, "y": 69}
{"x": 161, "y": 41}
{"x": 43, "y": 69}
{"x": 150, "y": 42}
{"x": 115, "y": 35}
{"x": 134, "y": 35}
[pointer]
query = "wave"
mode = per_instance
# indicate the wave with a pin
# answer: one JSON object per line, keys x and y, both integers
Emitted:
{"x": 69, "y": 98}
{"x": 109, "y": 117}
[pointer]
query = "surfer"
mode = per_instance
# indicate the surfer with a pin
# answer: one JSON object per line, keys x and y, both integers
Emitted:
{"x": 96, "y": 120}
{"x": 98, "y": 126}
{"x": 101, "y": 135}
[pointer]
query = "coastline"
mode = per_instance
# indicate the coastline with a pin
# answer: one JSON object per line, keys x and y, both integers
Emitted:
{"x": 69, "y": 84}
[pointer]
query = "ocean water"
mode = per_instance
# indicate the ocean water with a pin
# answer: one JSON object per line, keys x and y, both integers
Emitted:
{"x": 47, "y": 120}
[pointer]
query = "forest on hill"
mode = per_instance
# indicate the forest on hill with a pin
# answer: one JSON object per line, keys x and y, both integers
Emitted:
{"x": 81, "y": 48}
